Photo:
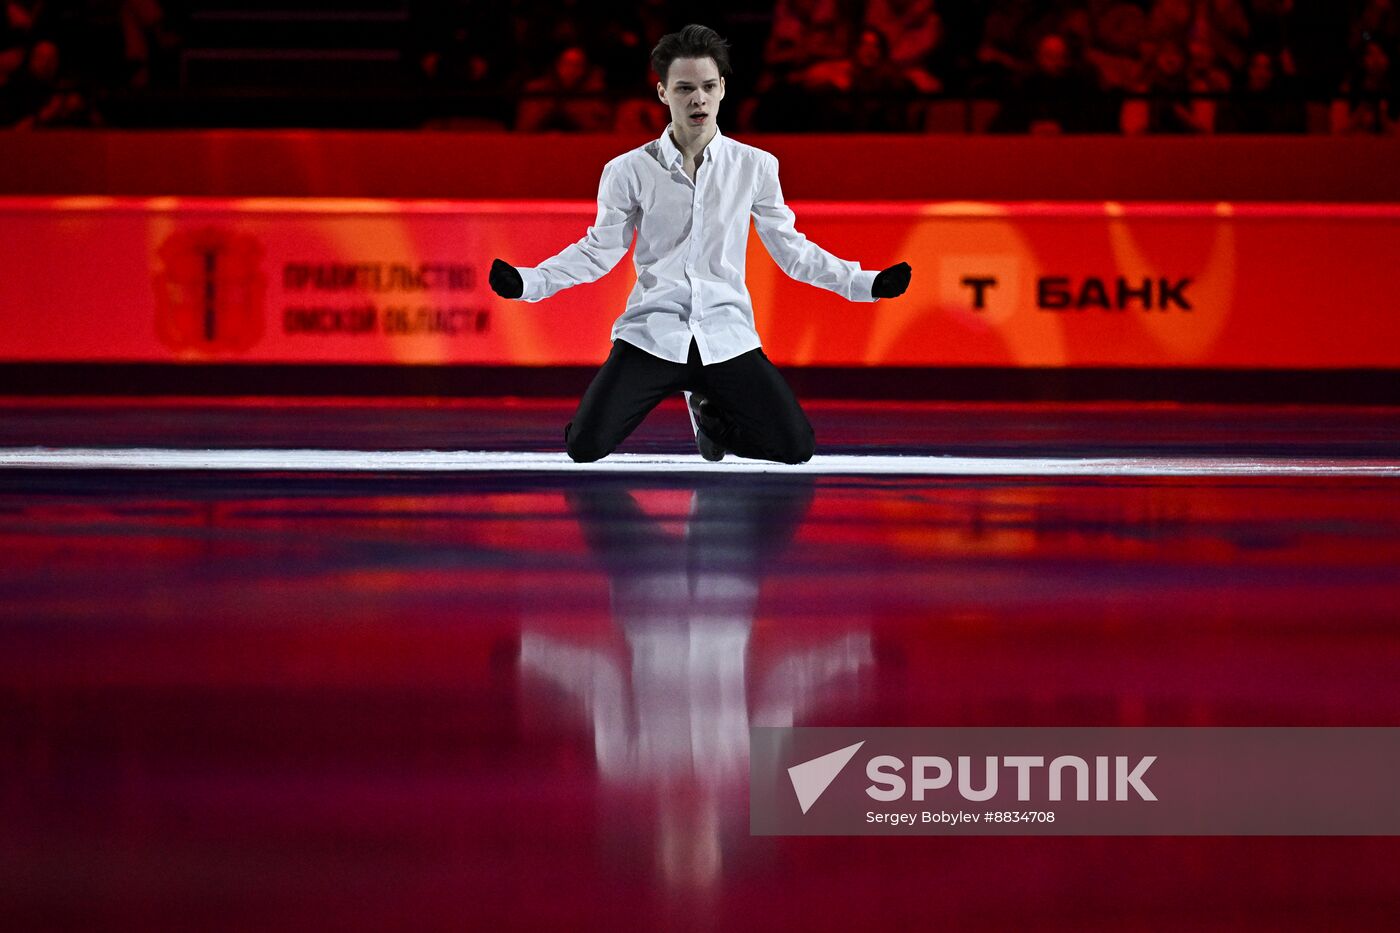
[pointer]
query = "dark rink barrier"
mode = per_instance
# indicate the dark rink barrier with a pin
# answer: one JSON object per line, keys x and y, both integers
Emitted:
{"x": 855, "y": 167}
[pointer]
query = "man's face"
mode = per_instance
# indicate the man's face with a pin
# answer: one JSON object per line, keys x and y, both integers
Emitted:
{"x": 692, "y": 91}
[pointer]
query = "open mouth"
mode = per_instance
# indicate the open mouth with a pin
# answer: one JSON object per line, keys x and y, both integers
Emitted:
{"x": 698, "y": 117}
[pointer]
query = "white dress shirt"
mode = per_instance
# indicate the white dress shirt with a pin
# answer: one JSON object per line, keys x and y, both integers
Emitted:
{"x": 691, "y": 242}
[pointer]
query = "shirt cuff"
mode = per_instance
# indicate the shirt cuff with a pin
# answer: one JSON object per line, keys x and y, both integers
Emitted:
{"x": 534, "y": 283}
{"x": 862, "y": 283}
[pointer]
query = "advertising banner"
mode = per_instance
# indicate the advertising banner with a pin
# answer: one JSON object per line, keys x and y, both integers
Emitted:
{"x": 1273, "y": 286}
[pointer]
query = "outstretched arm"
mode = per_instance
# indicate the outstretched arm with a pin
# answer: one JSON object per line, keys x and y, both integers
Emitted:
{"x": 796, "y": 255}
{"x": 592, "y": 257}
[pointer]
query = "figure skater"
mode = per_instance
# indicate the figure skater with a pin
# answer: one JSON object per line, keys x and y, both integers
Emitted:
{"x": 688, "y": 325}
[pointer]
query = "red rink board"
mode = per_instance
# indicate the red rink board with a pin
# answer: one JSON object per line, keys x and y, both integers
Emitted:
{"x": 1168, "y": 285}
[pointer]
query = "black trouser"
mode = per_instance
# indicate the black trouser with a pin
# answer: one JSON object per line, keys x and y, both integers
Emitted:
{"x": 758, "y": 416}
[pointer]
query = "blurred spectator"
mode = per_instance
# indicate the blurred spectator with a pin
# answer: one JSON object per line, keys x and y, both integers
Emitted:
{"x": 466, "y": 52}
{"x": 1207, "y": 83}
{"x": 1115, "y": 49}
{"x": 43, "y": 96}
{"x": 623, "y": 35}
{"x": 1076, "y": 27}
{"x": 808, "y": 40}
{"x": 1204, "y": 75}
{"x": 454, "y": 42}
{"x": 1368, "y": 101}
{"x": 13, "y": 54}
{"x": 1223, "y": 24}
{"x": 868, "y": 89}
{"x": 559, "y": 101}
{"x": 1169, "y": 108}
{"x": 107, "y": 44}
{"x": 639, "y": 115}
{"x": 148, "y": 43}
{"x": 913, "y": 33}
{"x": 807, "y": 32}
{"x": 1170, "y": 20}
{"x": 955, "y": 56}
{"x": 633, "y": 33}
{"x": 1315, "y": 32}
{"x": 23, "y": 88}
{"x": 11, "y": 77}
{"x": 1225, "y": 27}
{"x": 826, "y": 64}
{"x": 12, "y": 48}
{"x": 1376, "y": 22}
{"x": 1011, "y": 37}
{"x": 999, "y": 58}
{"x": 543, "y": 27}
{"x": 22, "y": 17}
{"x": 1274, "y": 25}
{"x": 1059, "y": 96}
{"x": 1268, "y": 103}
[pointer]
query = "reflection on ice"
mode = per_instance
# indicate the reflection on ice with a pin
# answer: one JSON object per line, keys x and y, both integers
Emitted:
{"x": 670, "y": 711}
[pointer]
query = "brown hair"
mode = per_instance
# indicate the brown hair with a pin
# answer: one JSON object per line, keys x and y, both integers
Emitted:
{"x": 691, "y": 42}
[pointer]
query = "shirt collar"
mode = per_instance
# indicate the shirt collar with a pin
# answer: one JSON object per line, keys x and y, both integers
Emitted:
{"x": 672, "y": 154}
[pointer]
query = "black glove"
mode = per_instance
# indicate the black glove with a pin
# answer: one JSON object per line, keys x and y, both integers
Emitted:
{"x": 506, "y": 281}
{"x": 892, "y": 282}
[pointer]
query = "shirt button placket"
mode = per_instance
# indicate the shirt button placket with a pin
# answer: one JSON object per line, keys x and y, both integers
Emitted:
{"x": 696, "y": 217}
